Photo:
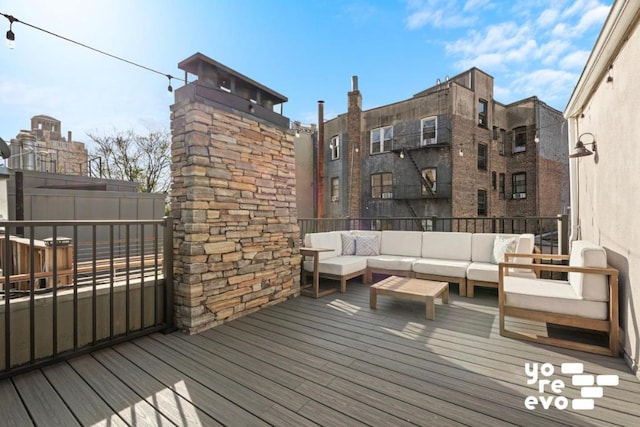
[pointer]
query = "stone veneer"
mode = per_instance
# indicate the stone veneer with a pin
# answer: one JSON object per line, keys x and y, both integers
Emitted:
{"x": 235, "y": 220}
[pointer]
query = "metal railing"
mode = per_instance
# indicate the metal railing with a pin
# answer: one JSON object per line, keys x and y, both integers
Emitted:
{"x": 551, "y": 232}
{"x": 60, "y": 297}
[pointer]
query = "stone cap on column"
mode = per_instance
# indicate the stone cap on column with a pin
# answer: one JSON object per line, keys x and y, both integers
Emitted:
{"x": 231, "y": 90}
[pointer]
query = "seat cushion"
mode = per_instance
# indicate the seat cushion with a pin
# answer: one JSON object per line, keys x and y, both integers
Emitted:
{"x": 441, "y": 267}
{"x": 340, "y": 266}
{"x": 391, "y": 262}
{"x": 446, "y": 245}
{"x": 590, "y": 286}
{"x": 488, "y": 272}
{"x": 555, "y": 296}
{"x": 404, "y": 243}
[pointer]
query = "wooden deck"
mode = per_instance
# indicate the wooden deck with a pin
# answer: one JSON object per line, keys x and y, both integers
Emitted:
{"x": 332, "y": 361}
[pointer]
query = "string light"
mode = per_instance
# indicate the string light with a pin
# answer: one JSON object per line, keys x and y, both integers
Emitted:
{"x": 11, "y": 41}
{"x": 11, "y": 37}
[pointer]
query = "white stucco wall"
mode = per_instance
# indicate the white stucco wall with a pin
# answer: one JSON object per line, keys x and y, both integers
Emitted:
{"x": 606, "y": 186}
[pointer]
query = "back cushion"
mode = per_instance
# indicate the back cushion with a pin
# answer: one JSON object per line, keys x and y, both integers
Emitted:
{"x": 482, "y": 247}
{"x": 329, "y": 240}
{"x": 525, "y": 245}
{"x": 446, "y": 245}
{"x": 590, "y": 286}
{"x": 404, "y": 243}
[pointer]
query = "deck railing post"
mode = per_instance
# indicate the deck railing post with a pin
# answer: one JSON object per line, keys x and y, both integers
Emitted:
{"x": 168, "y": 274}
{"x": 563, "y": 234}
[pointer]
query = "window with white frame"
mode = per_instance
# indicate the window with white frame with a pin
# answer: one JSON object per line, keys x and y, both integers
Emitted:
{"x": 335, "y": 147}
{"x": 429, "y": 131}
{"x": 381, "y": 139}
{"x": 483, "y": 119}
{"x": 519, "y": 185}
{"x": 519, "y": 139}
{"x": 335, "y": 190}
{"x": 429, "y": 175}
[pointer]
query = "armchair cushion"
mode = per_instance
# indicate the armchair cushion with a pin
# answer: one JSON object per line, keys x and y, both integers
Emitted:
{"x": 588, "y": 286}
{"x": 554, "y": 296}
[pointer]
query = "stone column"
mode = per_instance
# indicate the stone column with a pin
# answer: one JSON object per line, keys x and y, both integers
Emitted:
{"x": 234, "y": 207}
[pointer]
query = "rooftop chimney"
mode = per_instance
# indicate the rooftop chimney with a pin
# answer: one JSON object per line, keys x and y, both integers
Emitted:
{"x": 354, "y": 83}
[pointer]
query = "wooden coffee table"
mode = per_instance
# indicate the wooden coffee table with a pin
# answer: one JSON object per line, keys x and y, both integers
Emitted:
{"x": 411, "y": 289}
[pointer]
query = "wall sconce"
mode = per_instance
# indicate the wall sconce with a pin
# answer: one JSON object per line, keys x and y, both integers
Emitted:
{"x": 252, "y": 109}
{"x": 580, "y": 150}
{"x": 460, "y": 153}
{"x": 609, "y": 76}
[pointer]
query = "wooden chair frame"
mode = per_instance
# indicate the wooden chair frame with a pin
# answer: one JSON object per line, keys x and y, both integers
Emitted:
{"x": 610, "y": 326}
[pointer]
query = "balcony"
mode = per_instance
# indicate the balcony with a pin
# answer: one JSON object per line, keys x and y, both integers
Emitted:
{"x": 332, "y": 361}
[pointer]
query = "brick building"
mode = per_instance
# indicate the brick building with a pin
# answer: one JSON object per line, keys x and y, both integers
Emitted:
{"x": 449, "y": 151}
{"x": 44, "y": 149}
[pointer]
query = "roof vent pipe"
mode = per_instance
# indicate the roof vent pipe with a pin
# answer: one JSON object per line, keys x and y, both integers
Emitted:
{"x": 354, "y": 83}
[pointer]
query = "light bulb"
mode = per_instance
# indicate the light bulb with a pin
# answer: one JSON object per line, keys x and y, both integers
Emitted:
{"x": 11, "y": 39}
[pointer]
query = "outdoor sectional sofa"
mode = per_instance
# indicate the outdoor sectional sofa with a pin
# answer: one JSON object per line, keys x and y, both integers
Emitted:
{"x": 456, "y": 257}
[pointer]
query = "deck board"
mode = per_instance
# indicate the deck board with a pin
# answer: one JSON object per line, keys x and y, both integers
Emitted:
{"x": 11, "y": 406}
{"x": 329, "y": 361}
{"x": 43, "y": 403}
{"x": 87, "y": 406}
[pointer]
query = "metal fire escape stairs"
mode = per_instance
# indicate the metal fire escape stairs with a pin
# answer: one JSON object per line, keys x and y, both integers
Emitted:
{"x": 427, "y": 184}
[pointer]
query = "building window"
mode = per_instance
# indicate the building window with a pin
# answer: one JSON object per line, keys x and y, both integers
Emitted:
{"x": 519, "y": 185}
{"x": 429, "y": 133}
{"x": 381, "y": 139}
{"x": 335, "y": 190}
{"x": 482, "y": 113}
{"x": 429, "y": 175}
{"x": 501, "y": 186}
{"x": 382, "y": 185}
{"x": 520, "y": 139}
{"x": 482, "y": 156}
{"x": 502, "y": 141}
{"x": 482, "y": 202}
{"x": 335, "y": 147}
{"x": 494, "y": 180}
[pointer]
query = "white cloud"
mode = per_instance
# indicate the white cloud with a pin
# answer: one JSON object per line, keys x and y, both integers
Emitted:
{"x": 547, "y": 18}
{"x": 575, "y": 60}
{"x": 475, "y": 5}
{"x": 438, "y": 14}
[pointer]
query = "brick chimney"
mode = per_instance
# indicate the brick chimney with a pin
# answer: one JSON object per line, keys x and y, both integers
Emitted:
{"x": 355, "y": 149}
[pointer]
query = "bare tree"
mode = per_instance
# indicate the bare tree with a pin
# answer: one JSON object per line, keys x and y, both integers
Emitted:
{"x": 145, "y": 159}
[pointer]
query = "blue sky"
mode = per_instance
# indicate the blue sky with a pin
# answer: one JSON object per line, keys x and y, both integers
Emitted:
{"x": 306, "y": 50}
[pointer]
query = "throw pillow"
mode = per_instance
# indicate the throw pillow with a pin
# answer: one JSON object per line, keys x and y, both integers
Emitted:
{"x": 503, "y": 245}
{"x": 367, "y": 245}
{"x": 348, "y": 244}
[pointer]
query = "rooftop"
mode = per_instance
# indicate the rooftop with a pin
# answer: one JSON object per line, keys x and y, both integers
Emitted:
{"x": 331, "y": 361}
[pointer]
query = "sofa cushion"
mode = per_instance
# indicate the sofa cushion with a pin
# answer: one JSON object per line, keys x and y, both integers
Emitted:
{"x": 488, "y": 272}
{"x": 367, "y": 245}
{"x": 391, "y": 262}
{"x": 503, "y": 245}
{"x": 441, "y": 267}
{"x": 340, "y": 266}
{"x": 555, "y": 296}
{"x": 327, "y": 240}
{"x": 446, "y": 245}
{"x": 405, "y": 243}
{"x": 348, "y": 244}
{"x": 589, "y": 286}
